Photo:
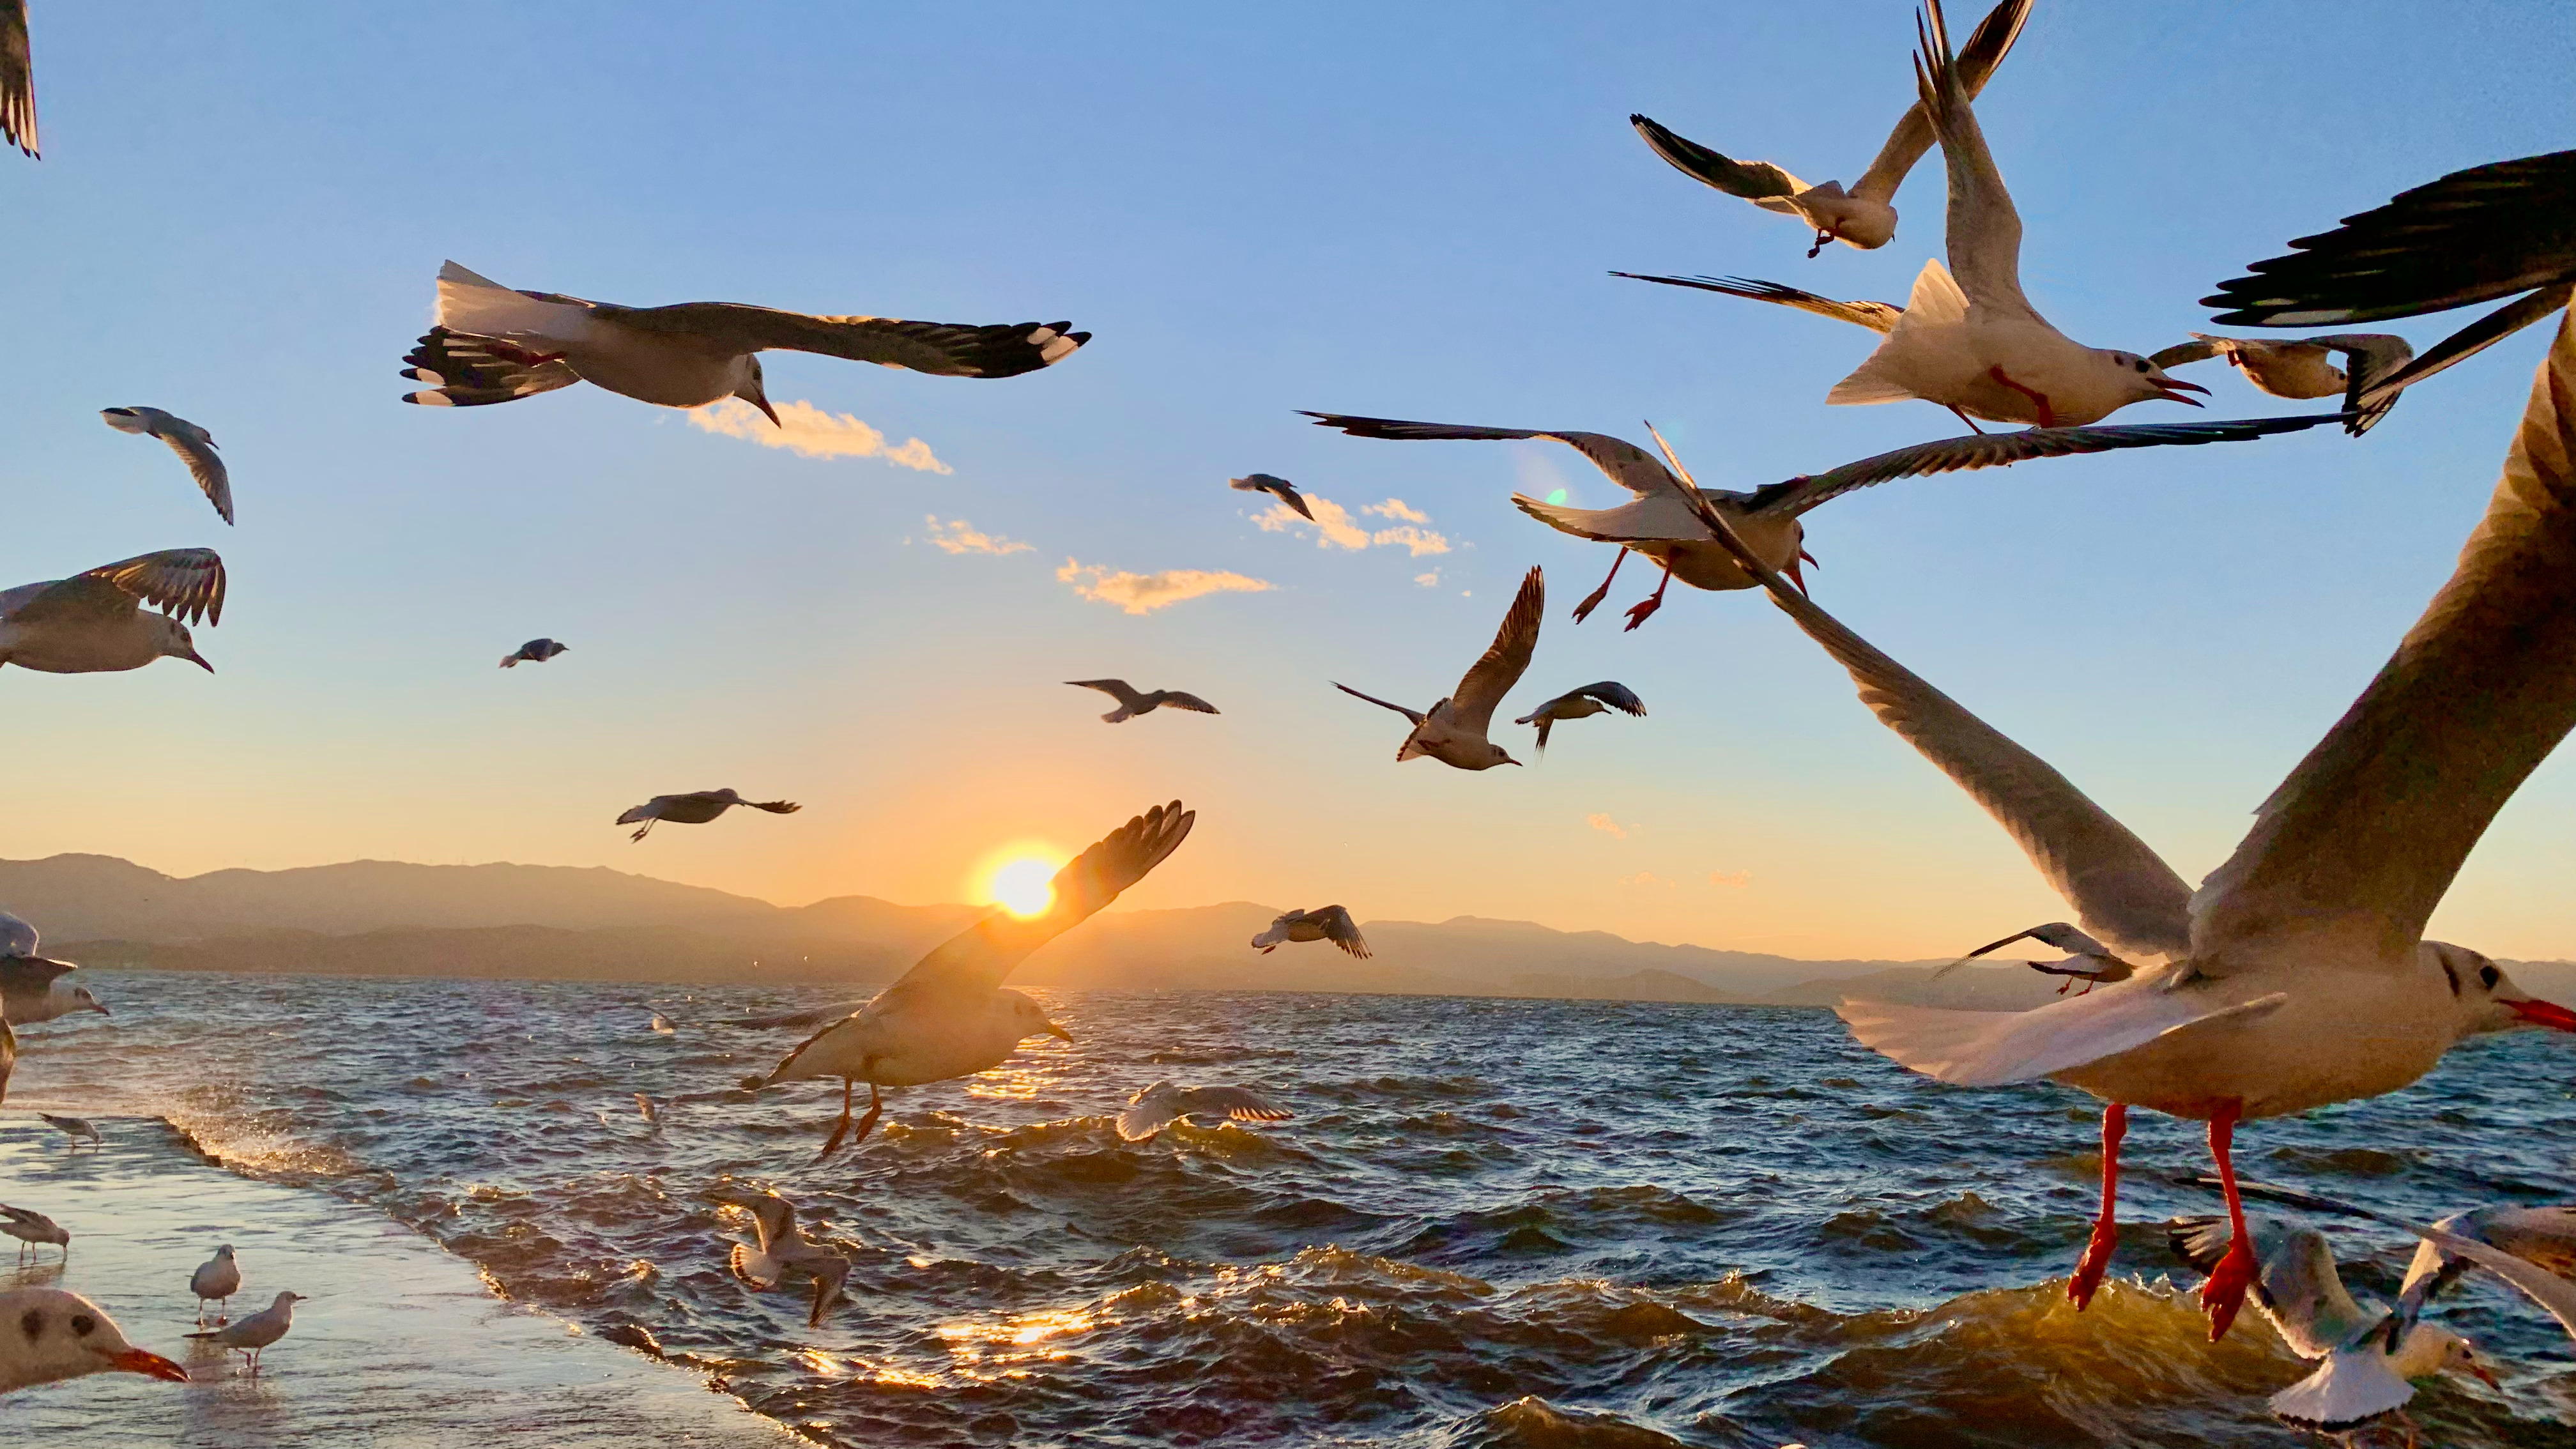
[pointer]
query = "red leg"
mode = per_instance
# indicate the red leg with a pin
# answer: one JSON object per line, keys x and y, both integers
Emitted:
{"x": 2224, "y": 1293}
{"x": 832, "y": 1144}
{"x": 2038, "y": 400}
{"x": 2106, "y": 1228}
{"x": 1645, "y": 609}
{"x": 1963, "y": 417}
{"x": 1592, "y": 601}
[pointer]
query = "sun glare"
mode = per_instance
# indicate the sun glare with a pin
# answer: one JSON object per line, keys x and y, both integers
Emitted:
{"x": 1024, "y": 885}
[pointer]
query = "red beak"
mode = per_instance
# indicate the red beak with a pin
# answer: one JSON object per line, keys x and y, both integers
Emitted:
{"x": 2485, "y": 1376}
{"x": 1795, "y": 575}
{"x": 140, "y": 1361}
{"x": 2172, "y": 386}
{"x": 2545, "y": 1013}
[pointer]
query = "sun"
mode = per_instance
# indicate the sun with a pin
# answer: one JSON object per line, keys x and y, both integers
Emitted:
{"x": 1024, "y": 885}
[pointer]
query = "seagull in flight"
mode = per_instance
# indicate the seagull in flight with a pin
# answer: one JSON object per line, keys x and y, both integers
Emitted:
{"x": 1132, "y": 703}
{"x": 194, "y": 445}
{"x": 1164, "y": 1103}
{"x": 2298, "y": 974}
{"x": 783, "y": 1248}
{"x": 491, "y": 344}
{"x": 2303, "y": 367}
{"x": 17, "y": 79}
{"x": 697, "y": 808}
{"x": 2087, "y": 960}
{"x": 1863, "y": 216}
{"x": 1279, "y": 488}
{"x": 1324, "y": 923}
{"x": 1453, "y": 730}
{"x": 535, "y": 651}
{"x": 2532, "y": 1248}
{"x": 94, "y": 622}
{"x": 1583, "y": 703}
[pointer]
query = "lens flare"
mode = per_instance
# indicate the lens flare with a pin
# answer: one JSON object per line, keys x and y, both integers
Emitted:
{"x": 1023, "y": 885}
{"x": 1556, "y": 497}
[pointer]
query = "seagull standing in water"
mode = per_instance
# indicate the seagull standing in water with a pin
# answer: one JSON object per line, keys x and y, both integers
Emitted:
{"x": 2297, "y": 975}
{"x": 32, "y": 1228}
{"x": 535, "y": 651}
{"x": 194, "y": 445}
{"x": 1583, "y": 703}
{"x": 1324, "y": 923}
{"x": 491, "y": 344}
{"x": 697, "y": 808}
{"x": 1279, "y": 488}
{"x": 1164, "y": 1103}
{"x": 48, "y": 1335}
{"x": 1453, "y": 730}
{"x": 218, "y": 1278}
{"x": 1133, "y": 702}
{"x": 1863, "y": 216}
{"x": 93, "y": 623}
{"x": 78, "y": 1129}
{"x": 950, "y": 1016}
{"x": 251, "y": 1333}
{"x": 782, "y": 1249}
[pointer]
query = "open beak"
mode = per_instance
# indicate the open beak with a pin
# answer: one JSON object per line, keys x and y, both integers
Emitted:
{"x": 1058, "y": 1032}
{"x": 2174, "y": 387}
{"x": 2544, "y": 1013}
{"x": 141, "y": 1361}
{"x": 1797, "y": 574}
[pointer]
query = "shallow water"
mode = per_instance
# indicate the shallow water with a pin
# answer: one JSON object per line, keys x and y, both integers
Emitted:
{"x": 1491, "y": 1222}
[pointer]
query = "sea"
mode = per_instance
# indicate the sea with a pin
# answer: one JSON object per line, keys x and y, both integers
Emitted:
{"x": 1490, "y": 1222}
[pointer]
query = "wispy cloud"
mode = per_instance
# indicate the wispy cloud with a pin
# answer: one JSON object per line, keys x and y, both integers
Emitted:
{"x": 1730, "y": 879}
{"x": 959, "y": 536}
{"x": 1144, "y": 593}
{"x": 1646, "y": 878}
{"x": 1420, "y": 540}
{"x": 1430, "y": 580}
{"x": 810, "y": 432}
{"x": 1398, "y": 509}
{"x": 1606, "y": 825}
{"x": 1334, "y": 527}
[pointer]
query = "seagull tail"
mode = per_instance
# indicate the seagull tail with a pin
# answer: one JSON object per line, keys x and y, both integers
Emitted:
{"x": 2353, "y": 1387}
{"x": 1936, "y": 301}
{"x": 479, "y": 305}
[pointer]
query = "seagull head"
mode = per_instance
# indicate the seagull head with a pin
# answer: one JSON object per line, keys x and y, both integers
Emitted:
{"x": 2150, "y": 383}
{"x": 177, "y": 643}
{"x": 1840, "y": 216}
{"x": 81, "y": 1000}
{"x": 2430, "y": 1350}
{"x": 754, "y": 393}
{"x": 71, "y": 1336}
{"x": 2487, "y": 998}
{"x": 1029, "y": 1018}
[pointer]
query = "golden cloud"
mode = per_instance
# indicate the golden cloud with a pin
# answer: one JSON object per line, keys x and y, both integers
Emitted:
{"x": 959, "y": 536}
{"x": 810, "y": 432}
{"x": 1334, "y": 528}
{"x": 1144, "y": 593}
{"x": 1606, "y": 825}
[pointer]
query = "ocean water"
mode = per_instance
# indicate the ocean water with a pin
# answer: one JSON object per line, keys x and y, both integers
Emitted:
{"x": 1491, "y": 1222}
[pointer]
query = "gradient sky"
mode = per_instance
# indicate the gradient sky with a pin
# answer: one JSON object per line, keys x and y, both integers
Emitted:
{"x": 1398, "y": 210}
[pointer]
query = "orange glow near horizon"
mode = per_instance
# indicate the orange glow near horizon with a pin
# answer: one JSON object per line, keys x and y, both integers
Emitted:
{"x": 1020, "y": 878}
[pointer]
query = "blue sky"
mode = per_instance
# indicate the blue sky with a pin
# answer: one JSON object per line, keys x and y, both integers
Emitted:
{"x": 1407, "y": 211}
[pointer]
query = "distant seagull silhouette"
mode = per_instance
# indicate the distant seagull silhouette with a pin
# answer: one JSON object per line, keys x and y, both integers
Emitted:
{"x": 783, "y": 1249}
{"x": 218, "y": 1278}
{"x": 1453, "y": 730}
{"x": 494, "y": 345}
{"x": 1863, "y": 216}
{"x": 535, "y": 651}
{"x": 1164, "y": 1103}
{"x": 17, "y": 79}
{"x": 1279, "y": 488}
{"x": 1583, "y": 703}
{"x": 663, "y": 1025}
{"x": 1131, "y": 703}
{"x": 94, "y": 623}
{"x": 950, "y": 1016}
{"x": 32, "y": 988}
{"x": 2469, "y": 237}
{"x": 2302, "y": 367}
{"x": 696, "y": 808}
{"x": 79, "y": 1129}
{"x": 1324, "y": 923}
{"x": 254, "y": 1332}
{"x": 194, "y": 445}
{"x": 33, "y": 1229}
{"x": 60, "y": 1335}
{"x": 2087, "y": 960}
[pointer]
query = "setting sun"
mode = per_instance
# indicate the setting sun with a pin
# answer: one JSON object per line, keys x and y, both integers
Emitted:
{"x": 1024, "y": 885}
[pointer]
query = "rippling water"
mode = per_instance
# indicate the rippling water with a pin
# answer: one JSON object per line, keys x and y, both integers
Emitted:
{"x": 1491, "y": 1222}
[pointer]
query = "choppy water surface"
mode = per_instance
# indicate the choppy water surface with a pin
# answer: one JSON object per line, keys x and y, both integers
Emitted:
{"x": 1491, "y": 1223}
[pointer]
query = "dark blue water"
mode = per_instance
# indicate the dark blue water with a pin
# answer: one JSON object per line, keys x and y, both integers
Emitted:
{"x": 1490, "y": 1223}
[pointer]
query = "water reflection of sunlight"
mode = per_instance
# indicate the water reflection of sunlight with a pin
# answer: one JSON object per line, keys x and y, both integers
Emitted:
{"x": 988, "y": 1341}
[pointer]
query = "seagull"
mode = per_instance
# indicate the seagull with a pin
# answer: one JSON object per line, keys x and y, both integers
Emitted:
{"x": 94, "y": 622}
{"x": 652, "y": 1113}
{"x": 252, "y": 1332}
{"x": 194, "y": 445}
{"x": 2302, "y": 367}
{"x": 1453, "y": 731}
{"x": 1584, "y": 703}
{"x": 2087, "y": 960}
{"x": 1279, "y": 488}
{"x": 1863, "y": 216}
{"x": 535, "y": 651}
{"x": 696, "y": 808}
{"x": 76, "y": 1128}
{"x": 1162, "y": 1104}
{"x": 219, "y": 1277}
{"x": 784, "y": 1249}
{"x": 1324, "y": 923}
{"x": 2298, "y": 974}
{"x": 2472, "y": 236}
{"x": 32, "y": 988}
{"x": 490, "y": 344}
{"x": 17, "y": 79}
{"x": 2365, "y": 1353}
{"x": 663, "y": 1025}
{"x": 2533, "y": 1248}
{"x": 1972, "y": 342}
{"x": 1132, "y": 703}
{"x": 1659, "y": 524}
{"x": 31, "y": 1228}
{"x": 950, "y": 1016}
{"x": 48, "y": 1335}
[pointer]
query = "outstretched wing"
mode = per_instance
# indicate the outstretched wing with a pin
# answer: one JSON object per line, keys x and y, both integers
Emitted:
{"x": 1755, "y": 181}
{"x": 1987, "y": 45}
{"x": 944, "y": 348}
{"x": 1175, "y": 699}
{"x": 2200, "y": 348}
{"x": 467, "y": 370}
{"x": 980, "y": 956}
{"x": 196, "y": 448}
{"x": 185, "y": 583}
{"x": 1984, "y": 229}
{"x": 2296, "y": 1284}
{"x": 2545, "y": 1288}
{"x": 1340, "y": 929}
{"x": 1876, "y": 316}
{"x": 1627, "y": 465}
{"x": 1117, "y": 689}
{"x": 1505, "y": 660}
{"x": 2000, "y": 450}
{"x": 1616, "y": 695}
{"x": 1234, "y": 1102}
{"x": 17, "y": 78}
{"x": 1414, "y": 715}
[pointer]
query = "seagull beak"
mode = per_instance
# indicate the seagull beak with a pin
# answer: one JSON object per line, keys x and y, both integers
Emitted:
{"x": 2485, "y": 1376}
{"x": 2174, "y": 387}
{"x": 1796, "y": 574}
{"x": 2544, "y": 1013}
{"x": 141, "y": 1361}
{"x": 768, "y": 412}
{"x": 199, "y": 660}
{"x": 1058, "y": 1032}
{"x": 97, "y": 1007}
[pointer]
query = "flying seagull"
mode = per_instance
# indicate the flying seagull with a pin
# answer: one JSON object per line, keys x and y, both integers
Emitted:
{"x": 1583, "y": 703}
{"x": 2472, "y": 236}
{"x": 52, "y": 1335}
{"x": 696, "y": 808}
{"x": 2087, "y": 960}
{"x": 94, "y": 622}
{"x": 1164, "y": 1103}
{"x": 1453, "y": 730}
{"x": 490, "y": 344}
{"x": 783, "y": 1248}
{"x": 1324, "y": 923}
{"x": 1132, "y": 703}
{"x": 2297, "y": 974}
{"x": 2532, "y": 1248}
{"x": 950, "y": 1015}
{"x": 535, "y": 651}
{"x": 194, "y": 445}
{"x": 17, "y": 79}
{"x": 2303, "y": 367}
{"x": 1862, "y": 217}
{"x": 1279, "y": 488}
{"x": 1657, "y": 523}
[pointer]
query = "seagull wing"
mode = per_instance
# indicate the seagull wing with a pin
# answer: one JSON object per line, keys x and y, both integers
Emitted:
{"x": 1117, "y": 689}
{"x": 1876, "y": 316}
{"x": 1414, "y": 715}
{"x": 1505, "y": 660}
{"x": 2364, "y": 837}
{"x": 17, "y": 937}
{"x": 1626, "y": 464}
{"x": 830, "y": 1271}
{"x": 1984, "y": 230}
{"x": 1340, "y": 929}
{"x": 1175, "y": 699}
{"x": 1755, "y": 181}
{"x": 979, "y": 957}
{"x": 947, "y": 349}
{"x": 2200, "y": 348}
{"x": 185, "y": 583}
{"x": 17, "y": 78}
{"x": 2371, "y": 358}
{"x": 1987, "y": 45}
{"x": 2466, "y": 343}
{"x": 1233, "y": 1102}
{"x": 1151, "y": 1113}
{"x": 2296, "y": 1284}
{"x": 2001, "y": 450}
{"x": 196, "y": 448}
{"x": 1616, "y": 695}
{"x": 466, "y": 370}
{"x": 2468, "y": 237}
{"x": 2550, "y": 1291}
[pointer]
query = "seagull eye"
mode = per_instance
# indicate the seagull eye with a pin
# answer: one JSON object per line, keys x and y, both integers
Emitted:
{"x": 2142, "y": 364}
{"x": 2488, "y": 976}
{"x": 82, "y": 1323}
